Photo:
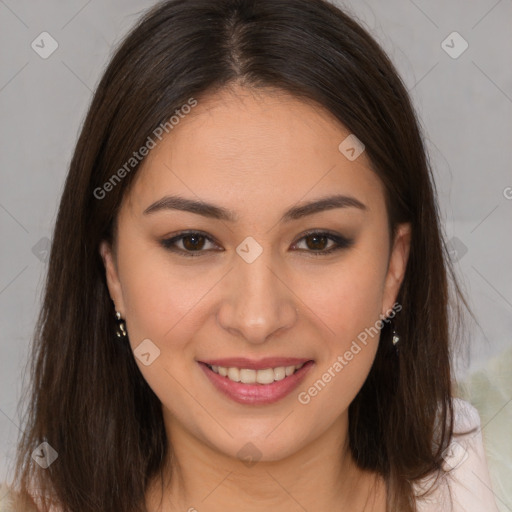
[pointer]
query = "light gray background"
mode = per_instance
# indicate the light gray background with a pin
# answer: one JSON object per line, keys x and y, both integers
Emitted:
{"x": 465, "y": 106}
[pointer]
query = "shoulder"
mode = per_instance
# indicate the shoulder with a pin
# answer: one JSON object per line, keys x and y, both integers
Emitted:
{"x": 466, "y": 416}
{"x": 465, "y": 482}
{"x": 11, "y": 501}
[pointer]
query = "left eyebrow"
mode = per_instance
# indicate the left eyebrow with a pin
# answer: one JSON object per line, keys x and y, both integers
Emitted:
{"x": 320, "y": 205}
{"x": 218, "y": 212}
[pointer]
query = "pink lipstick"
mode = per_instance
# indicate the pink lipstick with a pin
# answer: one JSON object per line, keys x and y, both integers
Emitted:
{"x": 271, "y": 371}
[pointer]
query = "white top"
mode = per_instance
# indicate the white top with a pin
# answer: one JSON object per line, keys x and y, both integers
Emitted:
{"x": 468, "y": 479}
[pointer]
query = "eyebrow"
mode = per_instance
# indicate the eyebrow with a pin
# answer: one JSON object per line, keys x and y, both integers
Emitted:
{"x": 220, "y": 213}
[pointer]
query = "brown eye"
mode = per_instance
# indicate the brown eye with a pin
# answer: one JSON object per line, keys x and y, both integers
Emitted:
{"x": 192, "y": 242}
{"x": 316, "y": 242}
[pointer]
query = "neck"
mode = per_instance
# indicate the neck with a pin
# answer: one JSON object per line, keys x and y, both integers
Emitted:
{"x": 320, "y": 476}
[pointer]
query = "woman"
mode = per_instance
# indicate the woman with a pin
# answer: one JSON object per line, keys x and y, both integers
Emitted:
{"x": 247, "y": 295}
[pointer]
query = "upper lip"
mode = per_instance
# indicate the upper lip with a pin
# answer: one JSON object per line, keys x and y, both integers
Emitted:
{"x": 255, "y": 364}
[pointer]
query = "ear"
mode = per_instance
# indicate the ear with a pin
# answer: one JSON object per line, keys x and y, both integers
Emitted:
{"x": 396, "y": 267}
{"x": 113, "y": 283}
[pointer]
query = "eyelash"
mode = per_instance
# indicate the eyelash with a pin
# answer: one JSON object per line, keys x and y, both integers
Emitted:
{"x": 340, "y": 242}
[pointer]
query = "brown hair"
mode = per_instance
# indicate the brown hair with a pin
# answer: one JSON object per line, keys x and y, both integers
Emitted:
{"x": 88, "y": 398}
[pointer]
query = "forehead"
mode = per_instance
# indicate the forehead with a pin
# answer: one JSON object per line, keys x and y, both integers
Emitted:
{"x": 245, "y": 146}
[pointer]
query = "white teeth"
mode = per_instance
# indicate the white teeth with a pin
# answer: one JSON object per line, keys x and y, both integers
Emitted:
{"x": 250, "y": 376}
{"x": 266, "y": 376}
{"x": 279, "y": 373}
{"x": 289, "y": 370}
{"x": 247, "y": 376}
{"x": 234, "y": 374}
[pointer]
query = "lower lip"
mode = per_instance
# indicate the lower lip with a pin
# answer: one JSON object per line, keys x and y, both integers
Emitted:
{"x": 257, "y": 394}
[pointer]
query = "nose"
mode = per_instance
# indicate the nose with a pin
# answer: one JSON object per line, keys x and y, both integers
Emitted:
{"x": 257, "y": 301}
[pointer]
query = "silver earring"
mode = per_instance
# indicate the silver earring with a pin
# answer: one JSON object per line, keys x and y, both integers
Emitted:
{"x": 121, "y": 326}
{"x": 395, "y": 337}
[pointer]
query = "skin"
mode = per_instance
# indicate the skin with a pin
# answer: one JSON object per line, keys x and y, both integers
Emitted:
{"x": 257, "y": 154}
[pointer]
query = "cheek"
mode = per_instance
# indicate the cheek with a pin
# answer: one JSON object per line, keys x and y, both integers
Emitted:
{"x": 160, "y": 300}
{"x": 350, "y": 306}
{"x": 162, "y": 305}
{"x": 349, "y": 298}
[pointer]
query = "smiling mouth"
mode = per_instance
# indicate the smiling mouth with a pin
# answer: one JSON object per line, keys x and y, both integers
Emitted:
{"x": 263, "y": 384}
{"x": 251, "y": 376}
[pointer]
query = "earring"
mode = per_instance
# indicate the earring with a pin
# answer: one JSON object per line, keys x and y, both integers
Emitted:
{"x": 395, "y": 338}
{"x": 121, "y": 326}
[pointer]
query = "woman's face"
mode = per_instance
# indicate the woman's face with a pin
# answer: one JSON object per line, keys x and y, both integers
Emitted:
{"x": 252, "y": 283}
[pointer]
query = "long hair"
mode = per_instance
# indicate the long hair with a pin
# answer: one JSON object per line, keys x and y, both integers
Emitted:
{"x": 87, "y": 397}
